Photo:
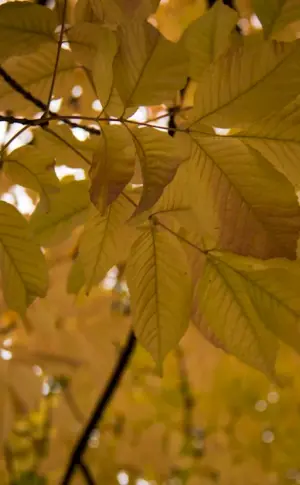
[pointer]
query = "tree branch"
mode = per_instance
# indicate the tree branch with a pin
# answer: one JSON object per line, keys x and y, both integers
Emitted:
{"x": 112, "y": 385}
{"x": 39, "y": 104}
{"x": 86, "y": 473}
{"x": 61, "y": 34}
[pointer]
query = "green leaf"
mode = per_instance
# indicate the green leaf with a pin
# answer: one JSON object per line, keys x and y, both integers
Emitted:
{"x": 148, "y": 69}
{"x": 24, "y": 27}
{"x": 113, "y": 165}
{"x": 34, "y": 72}
{"x": 160, "y": 291}
{"x": 34, "y": 170}
{"x": 250, "y": 82}
{"x": 68, "y": 210}
{"x": 23, "y": 267}
{"x": 106, "y": 240}
{"x": 62, "y": 145}
{"x": 275, "y": 15}
{"x": 256, "y": 205}
{"x": 76, "y": 278}
{"x": 208, "y": 37}
{"x": 160, "y": 156}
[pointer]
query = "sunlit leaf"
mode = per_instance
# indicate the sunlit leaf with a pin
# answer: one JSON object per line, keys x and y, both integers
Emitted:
{"x": 251, "y": 298}
{"x": 34, "y": 72}
{"x": 159, "y": 284}
{"x": 148, "y": 69}
{"x": 68, "y": 209}
{"x": 62, "y": 145}
{"x": 160, "y": 156}
{"x": 23, "y": 267}
{"x": 208, "y": 37}
{"x": 277, "y": 139}
{"x": 24, "y": 27}
{"x": 113, "y": 165}
{"x": 76, "y": 278}
{"x": 84, "y": 39}
{"x": 275, "y": 15}
{"x": 228, "y": 92}
{"x": 106, "y": 240}
{"x": 248, "y": 191}
{"x": 33, "y": 169}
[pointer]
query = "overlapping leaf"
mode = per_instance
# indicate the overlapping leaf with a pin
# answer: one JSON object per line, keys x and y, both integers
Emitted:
{"x": 33, "y": 169}
{"x": 275, "y": 15}
{"x": 256, "y": 205}
{"x": 159, "y": 283}
{"x": 246, "y": 301}
{"x": 208, "y": 37}
{"x": 62, "y": 145}
{"x": 229, "y": 91}
{"x": 68, "y": 209}
{"x": 277, "y": 139}
{"x": 24, "y": 27}
{"x": 106, "y": 240}
{"x": 148, "y": 69}
{"x": 113, "y": 165}
{"x": 34, "y": 72}
{"x": 23, "y": 267}
{"x": 84, "y": 39}
{"x": 160, "y": 156}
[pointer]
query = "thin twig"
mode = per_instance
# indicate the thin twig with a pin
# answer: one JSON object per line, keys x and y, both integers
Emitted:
{"x": 112, "y": 385}
{"x": 11, "y": 140}
{"x": 40, "y": 104}
{"x": 23, "y": 121}
{"x": 61, "y": 34}
{"x": 203, "y": 251}
{"x": 65, "y": 142}
{"x": 86, "y": 473}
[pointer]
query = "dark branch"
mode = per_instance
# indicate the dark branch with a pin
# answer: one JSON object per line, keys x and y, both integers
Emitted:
{"x": 112, "y": 385}
{"x": 39, "y": 104}
{"x": 86, "y": 473}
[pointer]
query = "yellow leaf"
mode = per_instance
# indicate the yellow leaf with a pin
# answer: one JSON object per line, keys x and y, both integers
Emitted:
{"x": 227, "y": 306}
{"x": 23, "y": 267}
{"x": 113, "y": 165}
{"x": 148, "y": 69}
{"x": 208, "y": 37}
{"x": 24, "y": 27}
{"x": 106, "y": 240}
{"x": 75, "y": 278}
{"x": 160, "y": 156}
{"x": 272, "y": 287}
{"x": 276, "y": 15}
{"x": 160, "y": 291}
{"x": 62, "y": 145}
{"x": 34, "y": 72}
{"x": 84, "y": 39}
{"x": 248, "y": 192}
{"x": 35, "y": 170}
{"x": 173, "y": 17}
{"x": 248, "y": 83}
{"x": 103, "y": 67}
{"x": 68, "y": 210}
{"x": 277, "y": 139}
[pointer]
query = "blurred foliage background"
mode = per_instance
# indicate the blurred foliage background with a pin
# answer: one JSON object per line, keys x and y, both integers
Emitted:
{"x": 208, "y": 420}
